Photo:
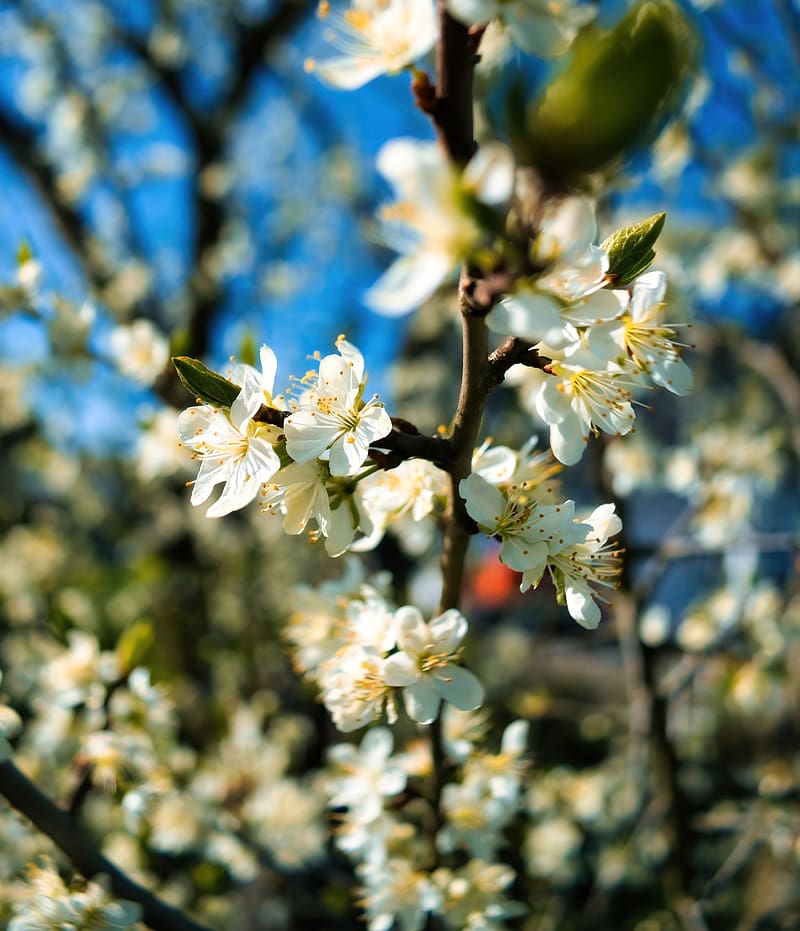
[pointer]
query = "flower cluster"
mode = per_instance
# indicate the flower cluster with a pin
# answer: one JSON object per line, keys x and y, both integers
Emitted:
{"x": 52, "y": 905}
{"x": 367, "y": 786}
{"x": 359, "y": 650}
{"x": 304, "y": 466}
{"x": 511, "y": 497}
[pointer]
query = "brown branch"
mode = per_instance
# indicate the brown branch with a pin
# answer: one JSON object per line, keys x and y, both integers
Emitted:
{"x": 82, "y": 851}
{"x": 514, "y": 351}
{"x": 20, "y": 142}
{"x": 456, "y": 57}
{"x": 475, "y": 383}
{"x": 403, "y": 444}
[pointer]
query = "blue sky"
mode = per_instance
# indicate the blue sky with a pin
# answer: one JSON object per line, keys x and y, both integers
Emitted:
{"x": 334, "y": 254}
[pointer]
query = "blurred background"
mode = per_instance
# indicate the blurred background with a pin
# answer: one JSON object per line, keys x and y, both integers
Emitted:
{"x": 173, "y": 182}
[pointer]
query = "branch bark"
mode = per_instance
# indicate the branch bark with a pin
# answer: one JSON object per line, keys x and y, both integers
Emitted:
{"x": 82, "y": 851}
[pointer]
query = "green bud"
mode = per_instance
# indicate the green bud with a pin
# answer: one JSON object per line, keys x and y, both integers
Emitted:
{"x": 247, "y": 349}
{"x": 630, "y": 249}
{"x": 612, "y": 95}
{"x": 24, "y": 252}
{"x": 205, "y": 384}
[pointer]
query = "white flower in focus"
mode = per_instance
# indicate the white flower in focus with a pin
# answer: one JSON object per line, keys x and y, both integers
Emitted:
{"x": 580, "y": 395}
{"x": 300, "y": 493}
{"x": 364, "y": 776}
{"x": 426, "y": 665}
{"x": 577, "y": 569}
{"x": 139, "y": 350}
{"x": 644, "y": 340}
{"x": 538, "y": 27}
{"x": 530, "y": 530}
{"x": 430, "y": 223}
{"x": 354, "y": 689}
{"x": 330, "y": 418}
{"x": 377, "y": 37}
{"x": 233, "y": 448}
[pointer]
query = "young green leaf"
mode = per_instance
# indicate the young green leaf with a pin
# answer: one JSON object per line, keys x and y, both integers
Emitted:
{"x": 205, "y": 384}
{"x": 630, "y": 249}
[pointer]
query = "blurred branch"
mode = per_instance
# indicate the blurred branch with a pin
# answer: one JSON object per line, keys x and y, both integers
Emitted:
{"x": 456, "y": 57}
{"x": 96, "y": 130}
{"x": 209, "y": 128}
{"x": 21, "y": 144}
{"x": 76, "y": 843}
{"x": 768, "y": 361}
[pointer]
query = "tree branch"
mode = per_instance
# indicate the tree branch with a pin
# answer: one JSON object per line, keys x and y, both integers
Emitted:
{"x": 456, "y": 57}
{"x": 76, "y": 843}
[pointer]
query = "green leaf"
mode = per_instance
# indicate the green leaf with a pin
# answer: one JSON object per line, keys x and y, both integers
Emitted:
{"x": 135, "y": 643}
{"x": 205, "y": 384}
{"x": 609, "y": 98}
{"x": 630, "y": 250}
{"x": 24, "y": 252}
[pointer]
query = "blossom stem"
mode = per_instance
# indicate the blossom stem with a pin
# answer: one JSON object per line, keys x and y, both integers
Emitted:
{"x": 475, "y": 380}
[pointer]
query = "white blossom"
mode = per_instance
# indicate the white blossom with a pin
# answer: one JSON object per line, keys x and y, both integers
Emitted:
{"x": 529, "y": 529}
{"x": 577, "y": 569}
{"x": 139, "y": 350}
{"x": 234, "y": 449}
{"x": 331, "y": 419}
{"x": 642, "y": 338}
{"x": 426, "y": 665}
{"x": 376, "y": 37}
{"x": 396, "y": 895}
{"x": 579, "y": 395}
{"x": 430, "y": 223}
{"x": 364, "y": 776}
{"x": 538, "y": 27}
{"x": 354, "y": 688}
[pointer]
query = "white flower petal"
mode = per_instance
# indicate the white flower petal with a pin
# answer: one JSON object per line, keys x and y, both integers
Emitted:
{"x": 567, "y": 440}
{"x": 580, "y": 604}
{"x": 412, "y": 631}
{"x": 408, "y": 282}
{"x": 459, "y": 687}
{"x": 400, "y": 670}
{"x": 422, "y": 701}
